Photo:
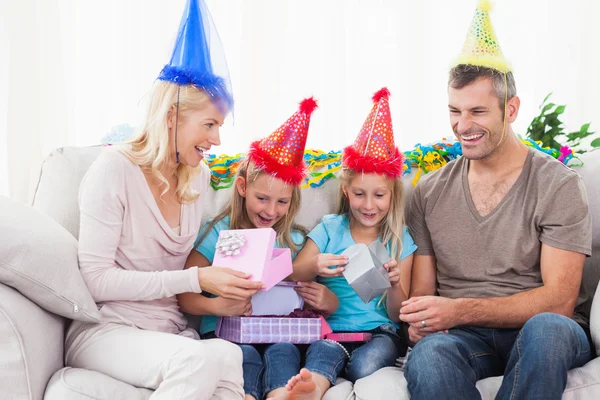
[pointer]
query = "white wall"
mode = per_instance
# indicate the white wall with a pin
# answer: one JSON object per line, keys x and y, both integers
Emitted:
{"x": 78, "y": 67}
{"x": 4, "y": 62}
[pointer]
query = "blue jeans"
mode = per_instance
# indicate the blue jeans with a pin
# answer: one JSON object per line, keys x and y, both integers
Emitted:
{"x": 534, "y": 360}
{"x": 268, "y": 367}
{"x": 365, "y": 358}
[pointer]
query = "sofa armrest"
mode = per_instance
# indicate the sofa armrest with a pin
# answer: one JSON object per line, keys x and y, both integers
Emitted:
{"x": 31, "y": 344}
{"x": 595, "y": 321}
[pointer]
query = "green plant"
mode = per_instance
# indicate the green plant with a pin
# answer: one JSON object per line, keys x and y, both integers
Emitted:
{"x": 549, "y": 129}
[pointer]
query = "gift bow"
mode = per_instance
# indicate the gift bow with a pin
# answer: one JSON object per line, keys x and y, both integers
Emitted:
{"x": 230, "y": 243}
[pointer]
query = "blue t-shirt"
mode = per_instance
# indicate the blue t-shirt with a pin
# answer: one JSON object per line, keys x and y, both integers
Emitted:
{"x": 207, "y": 249}
{"x": 333, "y": 236}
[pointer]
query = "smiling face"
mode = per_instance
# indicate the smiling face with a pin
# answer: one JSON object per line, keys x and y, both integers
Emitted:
{"x": 369, "y": 197}
{"x": 197, "y": 131}
{"x": 477, "y": 118}
{"x": 267, "y": 199}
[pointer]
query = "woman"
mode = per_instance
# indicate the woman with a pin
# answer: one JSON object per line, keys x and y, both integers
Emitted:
{"x": 141, "y": 208}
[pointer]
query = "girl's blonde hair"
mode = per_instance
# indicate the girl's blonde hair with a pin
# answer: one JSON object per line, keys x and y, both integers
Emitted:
{"x": 151, "y": 148}
{"x": 391, "y": 227}
{"x": 236, "y": 209}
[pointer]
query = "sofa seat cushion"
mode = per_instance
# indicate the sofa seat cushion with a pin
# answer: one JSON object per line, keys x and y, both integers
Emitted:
{"x": 381, "y": 384}
{"x": 82, "y": 384}
{"x": 342, "y": 390}
{"x": 38, "y": 257}
{"x": 582, "y": 383}
{"x": 31, "y": 346}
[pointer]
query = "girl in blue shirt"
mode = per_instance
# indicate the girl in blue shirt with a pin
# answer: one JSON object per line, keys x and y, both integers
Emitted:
{"x": 266, "y": 195}
{"x": 371, "y": 207}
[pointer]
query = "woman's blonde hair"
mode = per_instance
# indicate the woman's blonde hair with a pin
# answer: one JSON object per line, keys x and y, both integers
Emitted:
{"x": 236, "y": 209}
{"x": 391, "y": 227}
{"x": 151, "y": 148}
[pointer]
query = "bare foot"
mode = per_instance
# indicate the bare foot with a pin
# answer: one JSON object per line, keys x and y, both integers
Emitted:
{"x": 303, "y": 387}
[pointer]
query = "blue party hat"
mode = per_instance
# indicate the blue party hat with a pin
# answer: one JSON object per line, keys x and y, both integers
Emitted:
{"x": 198, "y": 58}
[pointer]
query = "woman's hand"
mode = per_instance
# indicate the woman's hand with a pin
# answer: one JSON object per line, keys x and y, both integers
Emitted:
{"x": 232, "y": 308}
{"x": 325, "y": 260}
{"x": 318, "y": 297}
{"x": 393, "y": 269}
{"x": 227, "y": 283}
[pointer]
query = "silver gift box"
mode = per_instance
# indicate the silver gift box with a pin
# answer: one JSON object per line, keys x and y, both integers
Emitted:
{"x": 365, "y": 271}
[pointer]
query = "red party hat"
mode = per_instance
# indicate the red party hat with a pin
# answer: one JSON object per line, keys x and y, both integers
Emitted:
{"x": 281, "y": 154}
{"x": 374, "y": 150}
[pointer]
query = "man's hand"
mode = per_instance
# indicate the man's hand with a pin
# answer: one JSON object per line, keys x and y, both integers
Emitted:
{"x": 415, "y": 334}
{"x": 429, "y": 314}
{"x": 318, "y": 296}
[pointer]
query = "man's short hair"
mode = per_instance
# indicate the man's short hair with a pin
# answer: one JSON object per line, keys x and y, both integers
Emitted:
{"x": 463, "y": 75}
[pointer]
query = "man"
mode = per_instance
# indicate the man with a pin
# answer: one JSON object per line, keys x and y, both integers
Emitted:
{"x": 505, "y": 230}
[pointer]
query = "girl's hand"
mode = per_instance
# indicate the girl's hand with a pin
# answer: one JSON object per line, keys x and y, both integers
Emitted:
{"x": 232, "y": 308}
{"x": 227, "y": 283}
{"x": 393, "y": 269}
{"x": 325, "y": 260}
{"x": 318, "y": 297}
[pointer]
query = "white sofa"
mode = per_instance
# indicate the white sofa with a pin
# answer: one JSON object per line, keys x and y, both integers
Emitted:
{"x": 32, "y": 332}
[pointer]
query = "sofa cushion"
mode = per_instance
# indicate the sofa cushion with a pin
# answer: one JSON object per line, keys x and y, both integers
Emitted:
{"x": 38, "y": 257}
{"x": 31, "y": 346}
{"x": 82, "y": 384}
{"x": 591, "y": 274}
{"x": 595, "y": 321}
{"x": 380, "y": 384}
{"x": 58, "y": 186}
{"x": 582, "y": 383}
{"x": 341, "y": 391}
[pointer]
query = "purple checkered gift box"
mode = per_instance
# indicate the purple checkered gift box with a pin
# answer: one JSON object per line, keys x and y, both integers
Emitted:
{"x": 272, "y": 329}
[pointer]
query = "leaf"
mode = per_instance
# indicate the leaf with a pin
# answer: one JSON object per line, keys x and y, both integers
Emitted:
{"x": 560, "y": 109}
{"x": 595, "y": 142}
{"x": 547, "y": 107}
{"x": 584, "y": 127}
{"x": 547, "y": 97}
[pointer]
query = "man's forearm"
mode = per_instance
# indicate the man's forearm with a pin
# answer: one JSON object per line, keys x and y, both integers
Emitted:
{"x": 512, "y": 311}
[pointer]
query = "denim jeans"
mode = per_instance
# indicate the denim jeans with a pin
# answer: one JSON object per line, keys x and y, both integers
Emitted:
{"x": 365, "y": 358}
{"x": 534, "y": 360}
{"x": 268, "y": 367}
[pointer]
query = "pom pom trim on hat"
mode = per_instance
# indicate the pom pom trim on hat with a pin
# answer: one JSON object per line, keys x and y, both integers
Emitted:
{"x": 308, "y": 105}
{"x": 391, "y": 167}
{"x": 382, "y": 93}
{"x": 485, "y": 5}
{"x": 293, "y": 174}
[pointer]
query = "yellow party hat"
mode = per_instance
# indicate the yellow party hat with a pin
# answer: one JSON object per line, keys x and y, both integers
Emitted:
{"x": 481, "y": 46}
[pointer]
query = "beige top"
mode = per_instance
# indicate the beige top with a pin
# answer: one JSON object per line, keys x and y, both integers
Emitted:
{"x": 131, "y": 259}
{"x": 499, "y": 254}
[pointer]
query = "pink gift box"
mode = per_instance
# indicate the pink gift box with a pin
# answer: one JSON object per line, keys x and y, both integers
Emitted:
{"x": 251, "y": 330}
{"x": 257, "y": 256}
{"x": 350, "y": 337}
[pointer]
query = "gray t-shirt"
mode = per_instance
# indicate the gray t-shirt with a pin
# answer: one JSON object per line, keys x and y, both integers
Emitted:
{"x": 499, "y": 254}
